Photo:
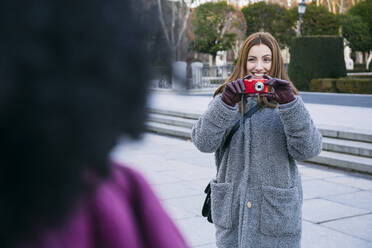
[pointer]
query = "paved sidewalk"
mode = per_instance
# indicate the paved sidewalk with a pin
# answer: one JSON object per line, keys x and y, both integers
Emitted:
{"x": 353, "y": 118}
{"x": 337, "y": 209}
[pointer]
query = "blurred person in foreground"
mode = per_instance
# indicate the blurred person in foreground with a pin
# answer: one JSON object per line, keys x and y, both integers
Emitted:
{"x": 73, "y": 78}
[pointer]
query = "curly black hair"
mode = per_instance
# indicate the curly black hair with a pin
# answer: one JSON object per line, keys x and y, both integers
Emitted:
{"x": 73, "y": 77}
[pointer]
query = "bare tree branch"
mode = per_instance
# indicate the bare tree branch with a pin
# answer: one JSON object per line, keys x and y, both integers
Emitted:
{"x": 175, "y": 27}
{"x": 173, "y": 23}
{"x": 185, "y": 21}
{"x": 161, "y": 18}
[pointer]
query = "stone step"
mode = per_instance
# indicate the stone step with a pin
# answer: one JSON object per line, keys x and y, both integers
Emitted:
{"x": 346, "y": 133}
{"x": 160, "y": 128}
{"x": 328, "y": 158}
{"x": 335, "y": 143}
{"x": 347, "y": 147}
{"x": 326, "y": 130}
{"x": 192, "y": 116}
{"x": 329, "y": 144}
{"x": 172, "y": 120}
{"x": 344, "y": 161}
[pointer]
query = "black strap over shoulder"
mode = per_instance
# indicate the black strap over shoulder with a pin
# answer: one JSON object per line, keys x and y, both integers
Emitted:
{"x": 237, "y": 125}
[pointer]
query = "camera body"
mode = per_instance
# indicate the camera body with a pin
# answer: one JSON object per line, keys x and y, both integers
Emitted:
{"x": 256, "y": 86}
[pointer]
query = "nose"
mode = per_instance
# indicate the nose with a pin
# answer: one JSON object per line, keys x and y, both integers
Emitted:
{"x": 259, "y": 65}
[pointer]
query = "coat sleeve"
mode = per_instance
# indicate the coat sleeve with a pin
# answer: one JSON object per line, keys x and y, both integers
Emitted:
{"x": 304, "y": 140}
{"x": 208, "y": 132}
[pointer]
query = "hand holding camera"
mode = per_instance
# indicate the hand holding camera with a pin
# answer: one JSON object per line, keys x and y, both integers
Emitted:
{"x": 283, "y": 92}
{"x": 232, "y": 92}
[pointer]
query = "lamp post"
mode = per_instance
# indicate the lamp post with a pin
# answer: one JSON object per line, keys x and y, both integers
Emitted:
{"x": 301, "y": 11}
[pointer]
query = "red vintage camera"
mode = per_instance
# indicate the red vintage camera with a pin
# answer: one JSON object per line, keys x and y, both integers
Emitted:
{"x": 256, "y": 86}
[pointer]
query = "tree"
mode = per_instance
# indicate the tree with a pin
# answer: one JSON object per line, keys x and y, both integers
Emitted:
{"x": 317, "y": 20}
{"x": 364, "y": 10}
{"x": 238, "y": 27}
{"x": 173, "y": 16}
{"x": 270, "y": 18}
{"x": 337, "y": 6}
{"x": 356, "y": 32}
{"x": 211, "y": 24}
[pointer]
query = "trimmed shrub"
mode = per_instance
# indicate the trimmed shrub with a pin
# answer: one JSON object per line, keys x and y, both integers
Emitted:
{"x": 361, "y": 68}
{"x": 316, "y": 57}
{"x": 323, "y": 85}
{"x": 342, "y": 85}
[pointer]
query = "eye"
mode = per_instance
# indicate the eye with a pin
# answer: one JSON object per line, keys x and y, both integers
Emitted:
{"x": 267, "y": 59}
{"x": 251, "y": 59}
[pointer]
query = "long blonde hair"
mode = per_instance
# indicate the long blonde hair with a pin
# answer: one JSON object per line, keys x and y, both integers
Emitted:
{"x": 277, "y": 65}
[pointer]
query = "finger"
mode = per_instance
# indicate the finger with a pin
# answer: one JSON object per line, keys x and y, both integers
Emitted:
{"x": 240, "y": 85}
{"x": 271, "y": 82}
{"x": 273, "y": 96}
{"x": 235, "y": 89}
{"x": 267, "y": 77}
{"x": 248, "y": 77}
{"x": 282, "y": 82}
{"x": 236, "y": 86}
{"x": 230, "y": 87}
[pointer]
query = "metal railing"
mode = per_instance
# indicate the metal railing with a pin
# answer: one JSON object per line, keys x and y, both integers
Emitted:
{"x": 161, "y": 77}
{"x": 215, "y": 75}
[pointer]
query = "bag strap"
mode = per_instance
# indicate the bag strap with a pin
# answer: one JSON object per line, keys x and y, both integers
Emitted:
{"x": 226, "y": 142}
{"x": 247, "y": 115}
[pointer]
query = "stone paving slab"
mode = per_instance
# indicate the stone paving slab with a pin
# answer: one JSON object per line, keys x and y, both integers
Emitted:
{"x": 177, "y": 213}
{"x": 321, "y": 210}
{"x": 166, "y": 191}
{"x": 320, "y": 172}
{"x": 316, "y": 236}
{"x": 360, "y": 226}
{"x": 361, "y": 200}
{"x": 179, "y": 182}
{"x": 211, "y": 245}
{"x": 320, "y": 188}
{"x": 198, "y": 233}
{"x": 192, "y": 204}
{"x": 356, "y": 182}
{"x": 180, "y": 189}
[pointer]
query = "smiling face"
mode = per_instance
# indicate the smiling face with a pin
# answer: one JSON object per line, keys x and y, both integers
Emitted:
{"x": 259, "y": 60}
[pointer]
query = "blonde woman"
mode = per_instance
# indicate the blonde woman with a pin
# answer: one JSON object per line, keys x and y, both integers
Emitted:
{"x": 256, "y": 197}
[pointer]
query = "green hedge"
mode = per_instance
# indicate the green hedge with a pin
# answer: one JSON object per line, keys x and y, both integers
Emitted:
{"x": 316, "y": 57}
{"x": 342, "y": 85}
{"x": 361, "y": 68}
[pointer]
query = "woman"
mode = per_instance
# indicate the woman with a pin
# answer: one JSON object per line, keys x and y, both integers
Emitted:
{"x": 256, "y": 197}
{"x": 73, "y": 77}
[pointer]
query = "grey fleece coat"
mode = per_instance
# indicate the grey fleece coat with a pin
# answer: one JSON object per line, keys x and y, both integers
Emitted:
{"x": 257, "y": 193}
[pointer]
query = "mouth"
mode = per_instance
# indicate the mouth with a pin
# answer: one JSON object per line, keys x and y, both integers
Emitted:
{"x": 258, "y": 75}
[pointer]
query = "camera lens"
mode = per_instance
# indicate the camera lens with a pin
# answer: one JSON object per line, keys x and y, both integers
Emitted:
{"x": 259, "y": 86}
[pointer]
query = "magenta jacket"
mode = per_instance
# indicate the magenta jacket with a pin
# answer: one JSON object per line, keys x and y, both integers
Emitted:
{"x": 123, "y": 213}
